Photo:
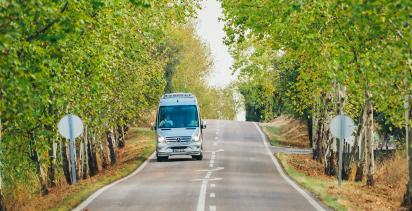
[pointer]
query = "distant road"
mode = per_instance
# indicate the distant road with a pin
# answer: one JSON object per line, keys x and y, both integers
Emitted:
{"x": 237, "y": 173}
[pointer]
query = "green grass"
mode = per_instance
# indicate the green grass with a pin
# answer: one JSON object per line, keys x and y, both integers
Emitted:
{"x": 85, "y": 188}
{"x": 273, "y": 135}
{"x": 317, "y": 186}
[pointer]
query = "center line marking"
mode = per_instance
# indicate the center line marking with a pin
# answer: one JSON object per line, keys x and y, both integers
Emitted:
{"x": 212, "y": 195}
{"x": 202, "y": 197}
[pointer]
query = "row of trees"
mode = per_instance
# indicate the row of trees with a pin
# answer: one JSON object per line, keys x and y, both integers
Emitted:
{"x": 317, "y": 59}
{"x": 187, "y": 71}
{"x": 102, "y": 60}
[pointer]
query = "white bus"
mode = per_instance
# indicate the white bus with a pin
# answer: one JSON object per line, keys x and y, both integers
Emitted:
{"x": 179, "y": 127}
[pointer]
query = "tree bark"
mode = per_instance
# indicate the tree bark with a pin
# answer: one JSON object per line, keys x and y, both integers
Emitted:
{"x": 93, "y": 166}
{"x": 354, "y": 160}
{"x": 314, "y": 129}
{"x": 35, "y": 158}
{"x": 103, "y": 157}
{"x": 2, "y": 205}
{"x": 85, "y": 164}
{"x": 65, "y": 161}
{"x": 51, "y": 173}
{"x": 111, "y": 143}
{"x": 370, "y": 159}
{"x": 407, "y": 199}
{"x": 120, "y": 139}
{"x": 81, "y": 159}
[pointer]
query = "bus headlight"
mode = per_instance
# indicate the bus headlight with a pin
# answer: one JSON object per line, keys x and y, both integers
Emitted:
{"x": 161, "y": 139}
{"x": 196, "y": 137}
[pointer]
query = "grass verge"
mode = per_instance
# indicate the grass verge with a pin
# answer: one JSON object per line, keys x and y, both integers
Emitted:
{"x": 317, "y": 186}
{"x": 139, "y": 146}
{"x": 273, "y": 134}
{"x": 350, "y": 196}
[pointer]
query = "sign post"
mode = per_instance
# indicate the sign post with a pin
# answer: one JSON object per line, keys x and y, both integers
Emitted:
{"x": 71, "y": 127}
{"x": 341, "y": 127}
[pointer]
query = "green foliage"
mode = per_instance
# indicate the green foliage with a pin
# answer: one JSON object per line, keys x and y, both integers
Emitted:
{"x": 101, "y": 60}
{"x": 300, "y": 50}
{"x": 188, "y": 65}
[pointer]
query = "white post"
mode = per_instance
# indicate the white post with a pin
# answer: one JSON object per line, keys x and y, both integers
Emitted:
{"x": 72, "y": 150}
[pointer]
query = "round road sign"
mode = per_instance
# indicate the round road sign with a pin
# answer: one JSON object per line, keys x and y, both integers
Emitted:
{"x": 342, "y": 126}
{"x": 76, "y": 126}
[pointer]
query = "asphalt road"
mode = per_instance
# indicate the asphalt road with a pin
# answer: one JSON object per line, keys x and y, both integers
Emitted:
{"x": 237, "y": 173}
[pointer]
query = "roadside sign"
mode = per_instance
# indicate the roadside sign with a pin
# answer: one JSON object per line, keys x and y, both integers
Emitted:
{"x": 70, "y": 127}
{"x": 64, "y": 126}
{"x": 341, "y": 127}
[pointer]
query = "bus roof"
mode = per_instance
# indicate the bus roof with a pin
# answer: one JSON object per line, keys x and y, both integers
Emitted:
{"x": 178, "y": 99}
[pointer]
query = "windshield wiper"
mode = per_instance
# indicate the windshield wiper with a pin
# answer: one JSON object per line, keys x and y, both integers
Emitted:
{"x": 165, "y": 128}
{"x": 191, "y": 128}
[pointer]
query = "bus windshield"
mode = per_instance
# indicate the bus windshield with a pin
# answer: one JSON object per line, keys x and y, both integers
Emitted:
{"x": 178, "y": 116}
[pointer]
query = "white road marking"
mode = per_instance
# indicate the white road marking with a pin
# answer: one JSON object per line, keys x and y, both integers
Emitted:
{"x": 203, "y": 179}
{"x": 212, "y": 185}
{"x": 216, "y": 169}
{"x": 212, "y": 208}
{"x": 202, "y": 197}
{"x": 219, "y": 150}
{"x": 312, "y": 201}
{"x": 215, "y": 144}
{"x": 212, "y": 195}
{"x": 212, "y": 161}
{"x": 86, "y": 202}
{"x": 211, "y": 165}
{"x": 216, "y": 138}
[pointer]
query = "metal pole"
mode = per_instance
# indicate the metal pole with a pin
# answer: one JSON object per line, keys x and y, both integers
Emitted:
{"x": 72, "y": 150}
{"x": 341, "y": 142}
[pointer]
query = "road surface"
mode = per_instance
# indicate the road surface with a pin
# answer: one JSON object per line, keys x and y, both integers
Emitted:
{"x": 237, "y": 173}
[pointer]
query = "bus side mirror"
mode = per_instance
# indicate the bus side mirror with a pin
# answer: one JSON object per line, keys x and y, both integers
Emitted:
{"x": 204, "y": 124}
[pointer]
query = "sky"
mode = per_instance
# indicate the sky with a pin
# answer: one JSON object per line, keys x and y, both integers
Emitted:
{"x": 210, "y": 30}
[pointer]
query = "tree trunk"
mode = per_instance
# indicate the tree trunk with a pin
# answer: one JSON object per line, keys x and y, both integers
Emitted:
{"x": 370, "y": 159}
{"x": 51, "y": 173}
{"x": 39, "y": 171}
{"x": 81, "y": 159}
{"x": 314, "y": 129}
{"x": 318, "y": 151}
{"x": 330, "y": 151}
{"x": 110, "y": 142}
{"x": 309, "y": 127}
{"x": 121, "y": 134}
{"x": 65, "y": 161}
{"x": 2, "y": 205}
{"x": 354, "y": 160}
{"x": 103, "y": 149}
{"x": 93, "y": 166}
{"x": 85, "y": 164}
{"x": 407, "y": 199}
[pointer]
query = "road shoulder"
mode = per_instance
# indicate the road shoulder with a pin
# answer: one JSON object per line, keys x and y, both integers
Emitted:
{"x": 307, "y": 195}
